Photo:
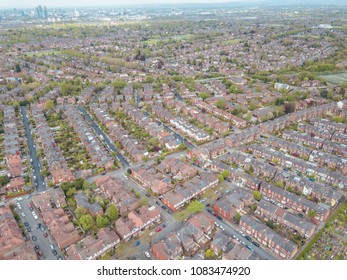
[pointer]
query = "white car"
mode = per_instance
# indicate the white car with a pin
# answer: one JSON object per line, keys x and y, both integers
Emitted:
{"x": 23, "y": 215}
{"x": 35, "y": 217}
{"x": 147, "y": 254}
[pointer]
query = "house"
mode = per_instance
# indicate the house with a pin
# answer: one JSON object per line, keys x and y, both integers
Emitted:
{"x": 281, "y": 246}
{"x": 90, "y": 247}
{"x": 220, "y": 243}
{"x": 169, "y": 248}
{"x": 82, "y": 201}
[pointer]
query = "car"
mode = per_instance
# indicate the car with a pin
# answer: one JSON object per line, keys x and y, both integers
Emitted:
{"x": 39, "y": 253}
{"x": 147, "y": 254}
{"x": 222, "y": 228}
{"x": 19, "y": 207}
{"x": 208, "y": 205}
{"x": 26, "y": 224}
{"x": 242, "y": 233}
{"x": 59, "y": 258}
{"x": 215, "y": 214}
{"x": 37, "y": 226}
{"x": 45, "y": 234}
{"x": 52, "y": 246}
{"x": 137, "y": 243}
{"x": 169, "y": 211}
{"x": 301, "y": 215}
{"x": 30, "y": 207}
{"x": 35, "y": 217}
{"x": 243, "y": 242}
{"x": 249, "y": 248}
{"x": 158, "y": 229}
{"x": 220, "y": 218}
{"x": 164, "y": 226}
{"x": 43, "y": 228}
{"x": 157, "y": 202}
{"x": 54, "y": 252}
{"x": 210, "y": 211}
{"x": 234, "y": 236}
{"x": 34, "y": 238}
{"x": 255, "y": 244}
{"x": 29, "y": 229}
{"x": 37, "y": 247}
{"x": 248, "y": 238}
{"x": 148, "y": 194}
{"x": 23, "y": 215}
{"x": 164, "y": 207}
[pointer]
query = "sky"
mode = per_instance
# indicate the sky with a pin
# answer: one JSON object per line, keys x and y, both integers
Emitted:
{"x": 83, "y": 3}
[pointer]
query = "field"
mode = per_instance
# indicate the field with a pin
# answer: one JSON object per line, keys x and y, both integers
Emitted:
{"x": 231, "y": 42}
{"x": 336, "y": 79}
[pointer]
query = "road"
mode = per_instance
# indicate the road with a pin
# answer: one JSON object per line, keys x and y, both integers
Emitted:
{"x": 109, "y": 143}
{"x": 43, "y": 242}
{"x": 231, "y": 231}
{"x": 39, "y": 183}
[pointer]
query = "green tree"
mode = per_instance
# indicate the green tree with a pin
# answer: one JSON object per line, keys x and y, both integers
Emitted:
{"x": 18, "y": 69}
{"x": 102, "y": 221}
{"x": 195, "y": 207}
{"x": 225, "y": 173}
{"x": 86, "y": 221}
{"x": 4, "y": 180}
{"x": 312, "y": 213}
{"x": 49, "y": 105}
{"x": 220, "y": 103}
{"x": 210, "y": 255}
{"x": 143, "y": 201}
{"x": 112, "y": 212}
{"x": 80, "y": 211}
{"x": 237, "y": 217}
{"x": 257, "y": 195}
{"x": 137, "y": 194}
{"x": 203, "y": 95}
{"x": 220, "y": 178}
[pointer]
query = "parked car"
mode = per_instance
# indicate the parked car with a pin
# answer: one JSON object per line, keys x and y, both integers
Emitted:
{"x": 158, "y": 229}
{"x": 242, "y": 233}
{"x": 34, "y": 238}
{"x": 248, "y": 238}
{"x": 45, "y": 234}
{"x": 39, "y": 253}
{"x": 215, "y": 214}
{"x": 164, "y": 207}
{"x": 157, "y": 202}
{"x": 148, "y": 194}
{"x": 169, "y": 211}
{"x": 210, "y": 211}
{"x": 147, "y": 254}
{"x": 37, "y": 247}
{"x": 249, "y": 248}
{"x": 137, "y": 243}
{"x": 54, "y": 252}
{"x": 23, "y": 215}
{"x": 220, "y": 218}
{"x": 255, "y": 244}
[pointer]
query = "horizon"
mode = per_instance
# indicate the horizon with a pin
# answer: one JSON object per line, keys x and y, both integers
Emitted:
{"x": 23, "y": 4}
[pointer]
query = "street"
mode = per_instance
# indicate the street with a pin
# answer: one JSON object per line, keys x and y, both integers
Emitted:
{"x": 37, "y": 179}
{"x": 43, "y": 242}
{"x": 109, "y": 143}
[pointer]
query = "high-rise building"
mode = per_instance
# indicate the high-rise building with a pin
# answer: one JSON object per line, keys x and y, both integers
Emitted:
{"x": 45, "y": 12}
{"x": 42, "y": 12}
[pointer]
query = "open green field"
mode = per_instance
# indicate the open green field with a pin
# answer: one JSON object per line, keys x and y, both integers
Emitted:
{"x": 336, "y": 79}
{"x": 43, "y": 53}
{"x": 231, "y": 42}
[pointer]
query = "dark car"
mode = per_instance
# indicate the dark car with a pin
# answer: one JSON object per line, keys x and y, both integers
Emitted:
{"x": 29, "y": 229}
{"x": 301, "y": 215}
{"x": 137, "y": 243}
{"x": 54, "y": 252}
{"x": 148, "y": 194}
{"x": 169, "y": 211}
{"x": 249, "y": 248}
{"x": 215, "y": 214}
{"x": 164, "y": 226}
{"x": 157, "y": 202}
{"x": 210, "y": 211}
{"x": 36, "y": 247}
{"x": 26, "y": 224}
{"x": 256, "y": 244}
{"x": 208, "y": 204}
{"x": 220, "y": 218}
{"x": 59, "y": 258}
{"x": 164, "y": 207}
{"x": 248, "y": 238}
{"x": 34, "y": 238}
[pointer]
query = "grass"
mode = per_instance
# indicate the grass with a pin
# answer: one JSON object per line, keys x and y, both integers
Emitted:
{"x": 337, "y": 78}
{"x": 231, "y": 42}
{"x": 193, "y": 208}
{"x": 43, "y": 53}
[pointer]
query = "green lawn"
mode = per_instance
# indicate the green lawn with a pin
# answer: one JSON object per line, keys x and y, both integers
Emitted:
{"x": 337, "y": 78}
{"x": 231, "y": 42}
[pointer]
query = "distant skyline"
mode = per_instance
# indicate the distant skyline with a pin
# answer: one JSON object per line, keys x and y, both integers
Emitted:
{"x": 5, "y": 4}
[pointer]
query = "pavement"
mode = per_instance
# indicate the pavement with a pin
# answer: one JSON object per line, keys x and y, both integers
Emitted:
{"x": 108, "y": 142}
{"x": 43, "y": 242}
{"x": 39, "y": 183}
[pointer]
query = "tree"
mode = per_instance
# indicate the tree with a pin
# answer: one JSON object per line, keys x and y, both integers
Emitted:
{"x": 137, "y": 194}
{"x": 49, "y": 105}
{"x": 112, "y": 212}
{"x": 4, "y": 180}
{"x": 195, "y": 207}
{"x": 220, "y": 104}
{"x": 312, "y": 213}
{"x": 210, "y": 254}
{"x": 119, "y": 84}
{"x": 18, "y": 69}
{"x": 257, "y": 195}
{"x": 86, "y": 221}
{"x": 102, "y": 221}
{"x": 129, "y": 171}
{"x": 237, "y": 217}
{"x": 203, "y": 95}
{"x": 143, "y": 201}
{"x": 289, "y": 107}
{"x": 225, "y": 174}
{"x": 220, "y": 178}
{"x": 80, "y": 211}
{"x": 181, "y": 147}
{"x": 71, "y": 192}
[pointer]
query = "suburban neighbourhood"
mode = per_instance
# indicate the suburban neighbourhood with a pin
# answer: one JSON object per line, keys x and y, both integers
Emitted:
{"x": 193, "y": 133}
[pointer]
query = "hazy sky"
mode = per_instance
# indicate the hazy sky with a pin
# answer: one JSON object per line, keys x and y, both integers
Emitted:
{"x": 76, "y": 3}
